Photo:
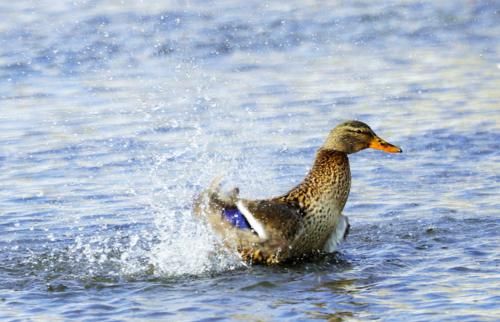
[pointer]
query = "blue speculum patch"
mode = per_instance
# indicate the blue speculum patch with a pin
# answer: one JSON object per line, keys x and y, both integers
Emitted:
{"x": 236, "y": 218}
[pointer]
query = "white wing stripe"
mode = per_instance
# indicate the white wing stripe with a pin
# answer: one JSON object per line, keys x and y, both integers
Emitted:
{"x": 254, "y": 223}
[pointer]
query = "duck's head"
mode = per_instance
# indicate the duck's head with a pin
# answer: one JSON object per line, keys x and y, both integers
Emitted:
{"x": 353, "y": 136}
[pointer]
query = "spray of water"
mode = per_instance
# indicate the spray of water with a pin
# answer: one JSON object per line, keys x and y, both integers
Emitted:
{"x": 175, "y": 242}
{"x": 177, "y": 151}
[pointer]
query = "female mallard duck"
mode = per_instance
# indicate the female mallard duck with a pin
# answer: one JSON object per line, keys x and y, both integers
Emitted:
{"x": 305, "y": 221}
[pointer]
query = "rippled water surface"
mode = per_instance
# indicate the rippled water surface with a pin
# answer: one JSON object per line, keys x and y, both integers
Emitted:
{"x": 114, "y": 115}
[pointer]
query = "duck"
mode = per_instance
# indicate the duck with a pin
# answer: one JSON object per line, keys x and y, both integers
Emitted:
{"x": 304, "y": 222}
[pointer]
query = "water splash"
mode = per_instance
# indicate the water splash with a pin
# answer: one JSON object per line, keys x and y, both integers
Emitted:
{"x": 158, "y": 236}
{"x": 186, "y": 244}
{"x": 189, "y": 247}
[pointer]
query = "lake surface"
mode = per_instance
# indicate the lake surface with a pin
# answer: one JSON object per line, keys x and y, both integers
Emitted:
{"x": 113, "y": 116}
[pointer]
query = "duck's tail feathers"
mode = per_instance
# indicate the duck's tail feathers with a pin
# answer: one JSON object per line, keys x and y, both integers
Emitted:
{"x": 223, "y": 216}
{"x": 213, "y": 198}
{"x": 224, "y": 200}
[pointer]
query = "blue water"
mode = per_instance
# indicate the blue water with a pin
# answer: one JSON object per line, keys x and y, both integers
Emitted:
{"x": 114, "y": 115}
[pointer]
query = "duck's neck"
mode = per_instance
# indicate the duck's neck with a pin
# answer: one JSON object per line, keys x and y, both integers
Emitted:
{"x": 329, "y": 181}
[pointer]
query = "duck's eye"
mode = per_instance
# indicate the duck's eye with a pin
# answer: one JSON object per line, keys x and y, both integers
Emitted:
{"x": 360, "y": 131}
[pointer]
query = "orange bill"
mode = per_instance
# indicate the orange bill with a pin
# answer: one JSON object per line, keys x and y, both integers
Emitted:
{"x": 380, "y": 144}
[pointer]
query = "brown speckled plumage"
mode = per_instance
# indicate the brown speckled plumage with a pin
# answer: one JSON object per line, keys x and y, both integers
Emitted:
{"x": 303, "y": 222}
{"x": 322, "y": 196}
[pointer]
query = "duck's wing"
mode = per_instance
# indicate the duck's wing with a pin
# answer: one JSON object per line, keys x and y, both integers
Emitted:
{"x": 272, "y": 224}
{"x": 211, "y": 205}
{"x": 272, "y": 219}
{"x": 337, "y": 235}
{"x": 265, "y": 219}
